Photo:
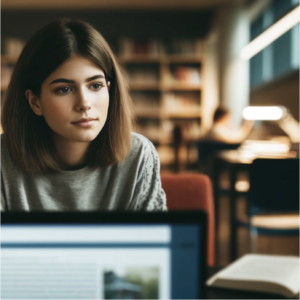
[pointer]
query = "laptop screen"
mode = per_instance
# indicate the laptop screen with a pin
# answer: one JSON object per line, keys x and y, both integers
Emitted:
{"x": 100, "y": 261}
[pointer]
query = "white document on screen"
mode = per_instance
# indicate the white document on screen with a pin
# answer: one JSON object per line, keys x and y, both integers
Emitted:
{"x": 84, "y": 272}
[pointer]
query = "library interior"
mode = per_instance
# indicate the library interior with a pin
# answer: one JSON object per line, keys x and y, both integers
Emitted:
{"x": 215, "y": 88}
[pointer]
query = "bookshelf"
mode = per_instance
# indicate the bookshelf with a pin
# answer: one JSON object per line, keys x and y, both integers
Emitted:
{"x": 166, "y": 84}
{"x": 169, "y": 98}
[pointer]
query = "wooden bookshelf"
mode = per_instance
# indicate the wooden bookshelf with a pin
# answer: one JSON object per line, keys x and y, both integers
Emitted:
{"x": 163, "y": 59}
{"x": 138, "y": 59}
{"x": 180, "y": 87}
{"x": 147, "y": 115}
{"x": 184, "y": 115}
{"x": 177, "y": 86}
{"x": 144, "y": 86}
{"x": 163, "y": 87}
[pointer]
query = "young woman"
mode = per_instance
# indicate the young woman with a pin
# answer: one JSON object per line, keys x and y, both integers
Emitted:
{"x": 67, "y": 119}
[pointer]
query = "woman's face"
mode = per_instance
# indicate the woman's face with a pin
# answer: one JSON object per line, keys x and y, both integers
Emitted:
{"x": 74, "y": 100}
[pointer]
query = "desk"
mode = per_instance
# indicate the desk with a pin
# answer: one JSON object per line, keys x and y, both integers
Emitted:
{"x": 218, "y": 293}
{"x": 233, "y": 161}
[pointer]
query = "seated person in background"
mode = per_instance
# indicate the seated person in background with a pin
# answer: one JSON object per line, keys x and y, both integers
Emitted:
{"x": 222, "y": 136}
{"x": 223, "y": 130}
{"x": 67, "y": 120}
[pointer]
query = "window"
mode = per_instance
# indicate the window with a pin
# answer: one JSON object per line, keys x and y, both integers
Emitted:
{"x": 281, "y": 56}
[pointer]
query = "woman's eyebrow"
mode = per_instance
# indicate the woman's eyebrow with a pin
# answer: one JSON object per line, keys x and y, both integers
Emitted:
{"x": 94, "y": 77}
{"x": 62, "y": 80}
{"x": 73, "y": 81}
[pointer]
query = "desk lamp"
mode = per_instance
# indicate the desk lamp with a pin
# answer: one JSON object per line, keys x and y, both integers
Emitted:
{"x": 280, "y": 114}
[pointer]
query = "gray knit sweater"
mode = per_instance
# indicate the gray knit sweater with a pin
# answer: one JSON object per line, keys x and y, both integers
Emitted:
{"x": 133, "y": 184}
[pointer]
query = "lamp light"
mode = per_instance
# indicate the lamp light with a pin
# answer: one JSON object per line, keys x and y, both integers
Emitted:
{"x": 270, "y": 113}
{"x": 271, "y": 34}
{"x": 275, "y": 113}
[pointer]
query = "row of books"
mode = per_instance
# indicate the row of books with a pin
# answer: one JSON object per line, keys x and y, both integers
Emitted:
{"x": 145, "y": 104}
{"x": 179, "y": 74}
{"x": 130, "y": 47}
{"x": 156, "y": 48}
{"x": 142, "y": 76}
{"x": 151, "y": 129}
{"x": 181, "y": 103}
{"x": 172, "y": 103}
{"x": 184, "y": 75}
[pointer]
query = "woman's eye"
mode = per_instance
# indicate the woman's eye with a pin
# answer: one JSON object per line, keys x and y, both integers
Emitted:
{"x": 96, "y": 86}
{"x": 63, "y": 90}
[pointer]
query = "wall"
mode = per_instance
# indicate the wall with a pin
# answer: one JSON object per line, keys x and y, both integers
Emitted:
{"x": 211, "y": 92}
{"x": 113, "y": 23}
{"x": 284, "y": 91}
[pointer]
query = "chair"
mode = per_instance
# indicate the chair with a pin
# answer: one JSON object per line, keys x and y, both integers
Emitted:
{"x": 273, "y": 199}
{"x": 192, "y": 192}
{"x": 206, "y": 151}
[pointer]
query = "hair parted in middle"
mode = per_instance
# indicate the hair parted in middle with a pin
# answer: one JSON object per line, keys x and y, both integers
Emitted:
{"x": 27, "y": 135}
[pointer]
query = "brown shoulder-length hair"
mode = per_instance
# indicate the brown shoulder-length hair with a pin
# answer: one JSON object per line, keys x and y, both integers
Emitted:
{"x": 27, "y": 136}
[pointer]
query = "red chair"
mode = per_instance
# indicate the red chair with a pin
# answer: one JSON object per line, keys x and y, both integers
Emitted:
{"x": 192, "y": 192}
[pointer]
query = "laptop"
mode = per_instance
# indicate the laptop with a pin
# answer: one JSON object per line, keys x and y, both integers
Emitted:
{"x": 103, "y": 255}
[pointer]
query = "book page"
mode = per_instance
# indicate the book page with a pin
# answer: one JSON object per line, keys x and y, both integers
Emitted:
{"x": 282, "y": 270}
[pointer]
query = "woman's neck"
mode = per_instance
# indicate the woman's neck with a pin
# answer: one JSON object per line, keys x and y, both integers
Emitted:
{"x": 71, "y": 155}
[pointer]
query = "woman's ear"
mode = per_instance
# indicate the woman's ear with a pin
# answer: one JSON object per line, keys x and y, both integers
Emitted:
{"x": 108, "y": 85}
{"x": 34, "y": 102}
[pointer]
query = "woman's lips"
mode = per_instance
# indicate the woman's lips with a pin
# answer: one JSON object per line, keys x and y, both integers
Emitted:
{"x": 85, "y": 123}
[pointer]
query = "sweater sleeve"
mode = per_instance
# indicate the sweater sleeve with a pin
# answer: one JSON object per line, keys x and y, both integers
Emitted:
{"x": 148, "y": 192}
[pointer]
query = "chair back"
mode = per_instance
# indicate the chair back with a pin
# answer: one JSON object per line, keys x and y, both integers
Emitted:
{"x": 274, "y": 186}
{"x": 192, "y": 192}
{"x": 206, "y": 151}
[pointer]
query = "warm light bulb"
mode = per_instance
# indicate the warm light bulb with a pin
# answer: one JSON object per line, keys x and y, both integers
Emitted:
{"x": 271, "y": 34}
{"x": 272, "y": 113}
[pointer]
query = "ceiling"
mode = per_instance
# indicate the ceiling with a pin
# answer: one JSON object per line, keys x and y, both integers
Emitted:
{"x": 115, "y": 4}
{"x": 127, "y": 23}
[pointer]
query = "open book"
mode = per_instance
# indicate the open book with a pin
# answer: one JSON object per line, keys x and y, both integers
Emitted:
{"x": 261, "y": 273}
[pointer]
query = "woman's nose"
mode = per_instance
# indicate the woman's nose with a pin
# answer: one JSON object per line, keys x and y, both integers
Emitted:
{"x": 83, "y": 104}
{"x": 85, "y": 107}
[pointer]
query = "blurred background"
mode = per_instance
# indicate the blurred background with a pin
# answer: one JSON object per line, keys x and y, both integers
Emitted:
{"x": 182, "y": 60}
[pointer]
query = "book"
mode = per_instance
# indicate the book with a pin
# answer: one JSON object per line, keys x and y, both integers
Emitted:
{"x": 261, "y": 273}
{"x": 187, "y": 75}
{"x": 130, "y": 48}
{"x": 181, "y": 103}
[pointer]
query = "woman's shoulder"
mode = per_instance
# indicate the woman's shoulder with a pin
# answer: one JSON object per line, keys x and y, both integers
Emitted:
{"x": 141, "y": 148}
{"x": 139, "y": 140}
{"x": 141, "y": 144}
